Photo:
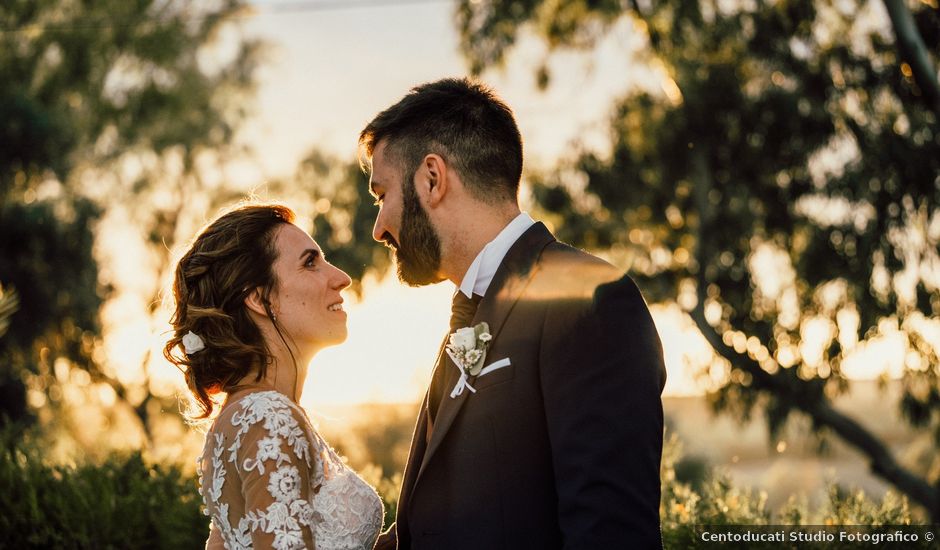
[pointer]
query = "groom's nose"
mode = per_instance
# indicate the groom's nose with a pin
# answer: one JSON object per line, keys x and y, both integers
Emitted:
{"x": 380, "y": 230}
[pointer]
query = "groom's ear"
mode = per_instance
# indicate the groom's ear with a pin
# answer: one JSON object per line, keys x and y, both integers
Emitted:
{"x": 432, "y": 179}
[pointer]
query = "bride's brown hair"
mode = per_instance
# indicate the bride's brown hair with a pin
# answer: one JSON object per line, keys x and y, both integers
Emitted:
{"x": 229, "y": 259}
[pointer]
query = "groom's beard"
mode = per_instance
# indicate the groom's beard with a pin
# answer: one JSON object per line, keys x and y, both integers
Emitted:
{"x": 418, "y": 252}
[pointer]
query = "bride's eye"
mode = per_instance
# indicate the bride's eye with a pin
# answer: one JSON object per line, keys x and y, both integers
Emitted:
{"x": 311, "y": 260}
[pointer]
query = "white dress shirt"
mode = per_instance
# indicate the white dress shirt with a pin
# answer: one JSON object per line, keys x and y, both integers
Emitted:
{"x": 484, "y": 266}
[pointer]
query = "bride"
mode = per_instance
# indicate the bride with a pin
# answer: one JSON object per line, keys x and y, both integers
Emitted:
{"x": 255, "y": 300}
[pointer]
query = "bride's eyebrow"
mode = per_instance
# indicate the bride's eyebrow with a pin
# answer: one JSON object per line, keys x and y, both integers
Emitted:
{"x": 310, "y": 252}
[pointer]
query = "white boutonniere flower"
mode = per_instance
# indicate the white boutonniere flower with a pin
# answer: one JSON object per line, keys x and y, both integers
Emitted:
{"x": 467, "y": 348}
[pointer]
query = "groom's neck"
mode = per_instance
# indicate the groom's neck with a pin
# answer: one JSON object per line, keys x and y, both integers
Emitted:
{"x": 464, "y": 235}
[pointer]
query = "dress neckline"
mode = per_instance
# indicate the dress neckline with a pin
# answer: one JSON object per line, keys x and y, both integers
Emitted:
{"x": 241, "y": 393}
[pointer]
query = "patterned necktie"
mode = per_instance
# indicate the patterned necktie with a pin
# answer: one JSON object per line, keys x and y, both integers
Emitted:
{"x": 462, "y": 310}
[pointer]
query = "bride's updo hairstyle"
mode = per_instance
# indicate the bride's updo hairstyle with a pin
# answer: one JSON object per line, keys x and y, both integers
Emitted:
{"x": 229, "y": 259}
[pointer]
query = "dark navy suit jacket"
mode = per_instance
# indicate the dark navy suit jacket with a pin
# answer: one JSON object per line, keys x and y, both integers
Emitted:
{"x": 562, "y": 448}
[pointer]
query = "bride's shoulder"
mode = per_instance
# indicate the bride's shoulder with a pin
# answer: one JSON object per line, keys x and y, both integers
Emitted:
{"x": 266, "y": 425}
{"x": 266, "y": 412}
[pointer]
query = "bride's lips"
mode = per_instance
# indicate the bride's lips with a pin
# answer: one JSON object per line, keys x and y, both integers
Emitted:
{"x": 336, "y": 307}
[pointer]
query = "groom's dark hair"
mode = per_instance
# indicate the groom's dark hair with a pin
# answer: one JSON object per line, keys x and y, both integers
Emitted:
{"x": 461, "y": 120}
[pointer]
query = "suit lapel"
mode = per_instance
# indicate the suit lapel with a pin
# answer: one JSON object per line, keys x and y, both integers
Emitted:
{"x": 511, "y": 279}
{"x": 419, "y": 441}
{"x": 418, "y": 447}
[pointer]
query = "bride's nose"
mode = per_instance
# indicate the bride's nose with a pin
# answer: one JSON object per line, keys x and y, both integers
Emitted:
{"x": 340, "y": 279}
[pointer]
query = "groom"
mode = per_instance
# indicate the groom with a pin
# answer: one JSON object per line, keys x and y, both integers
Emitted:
{"x": 553, "y": 438}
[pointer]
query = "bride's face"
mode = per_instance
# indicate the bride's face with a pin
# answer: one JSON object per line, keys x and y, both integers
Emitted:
{"x": 306, "y": 298}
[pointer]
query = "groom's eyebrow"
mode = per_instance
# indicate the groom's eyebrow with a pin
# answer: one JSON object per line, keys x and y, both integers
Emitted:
{"x": 372, "y": 185}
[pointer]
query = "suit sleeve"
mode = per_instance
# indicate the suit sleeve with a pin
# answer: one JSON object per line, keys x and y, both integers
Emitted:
{"x": 388, "y": 540}
{"x": 602, "y": 375}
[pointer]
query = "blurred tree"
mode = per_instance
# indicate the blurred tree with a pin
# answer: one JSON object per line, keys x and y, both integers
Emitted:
{"x": 12, "y": 391}
{"x": 104, "y": 106}
{"x": 8, "y": 304}
{"x": 783, "y": 188}
{"x": 48, "y": 256}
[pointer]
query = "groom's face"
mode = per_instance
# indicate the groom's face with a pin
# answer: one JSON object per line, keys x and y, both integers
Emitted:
{"x": 402, "y": 223}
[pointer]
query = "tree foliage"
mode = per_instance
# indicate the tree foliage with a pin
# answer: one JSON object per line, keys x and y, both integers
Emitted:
{"x": 100, "y": 104}
{"x": 783, "y": 186}
{"x": 48, "y": 256}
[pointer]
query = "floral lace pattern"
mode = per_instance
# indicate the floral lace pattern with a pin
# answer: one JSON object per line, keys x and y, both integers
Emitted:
{"x": 280, "y": 485}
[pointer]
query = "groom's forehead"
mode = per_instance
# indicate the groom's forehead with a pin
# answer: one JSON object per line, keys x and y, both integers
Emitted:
{"x": 383, "y": 156}
{"x": 378, "y": 178}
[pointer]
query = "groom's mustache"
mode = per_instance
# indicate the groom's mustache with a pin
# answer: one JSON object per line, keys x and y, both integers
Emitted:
{"x": 390, "y": 242}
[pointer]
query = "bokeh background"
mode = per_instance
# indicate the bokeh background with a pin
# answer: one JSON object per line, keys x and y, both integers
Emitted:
{"x": 767, "y": 171}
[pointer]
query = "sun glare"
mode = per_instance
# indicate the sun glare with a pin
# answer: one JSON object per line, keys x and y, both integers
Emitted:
{"x": 394, "y": 334}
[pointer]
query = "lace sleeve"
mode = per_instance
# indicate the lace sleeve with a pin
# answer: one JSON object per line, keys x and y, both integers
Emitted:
{"x": 280, "y": 471}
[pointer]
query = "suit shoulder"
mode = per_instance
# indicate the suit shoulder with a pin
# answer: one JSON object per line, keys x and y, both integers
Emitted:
{"x": 565, "y": 271}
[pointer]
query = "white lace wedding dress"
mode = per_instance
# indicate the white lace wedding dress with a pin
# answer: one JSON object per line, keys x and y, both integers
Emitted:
{"x": 268, "y": 480}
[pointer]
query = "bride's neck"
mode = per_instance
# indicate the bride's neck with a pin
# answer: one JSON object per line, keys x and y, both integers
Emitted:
{"x": 282, "y": 375}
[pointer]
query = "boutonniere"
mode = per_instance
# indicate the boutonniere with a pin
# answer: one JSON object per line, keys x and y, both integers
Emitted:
{"x": 467, "y": 348}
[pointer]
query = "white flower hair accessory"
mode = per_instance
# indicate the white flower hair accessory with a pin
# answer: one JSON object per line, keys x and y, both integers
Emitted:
{"x": 193, "y": 343}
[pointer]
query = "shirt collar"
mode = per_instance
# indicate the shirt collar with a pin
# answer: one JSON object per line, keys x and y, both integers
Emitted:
{"x": 480, "y": 274}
